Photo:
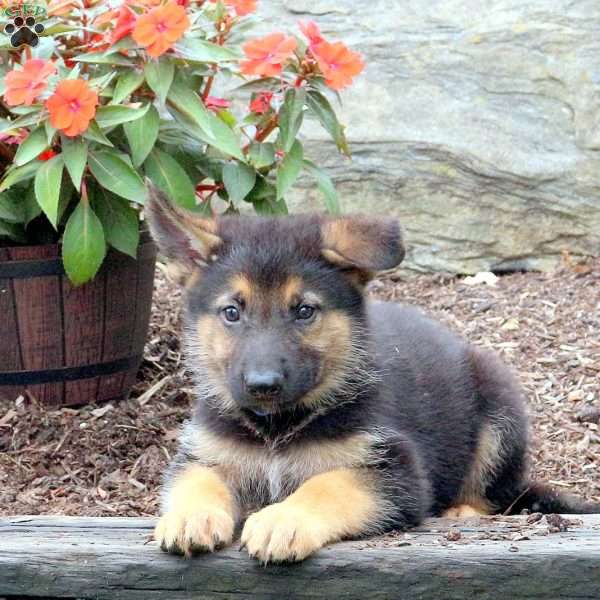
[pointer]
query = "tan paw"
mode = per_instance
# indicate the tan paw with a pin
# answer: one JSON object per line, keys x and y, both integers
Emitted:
{"x": 202, "y": 530}
{"x": 462, "y": 511}
{"x": 282, "y": 533}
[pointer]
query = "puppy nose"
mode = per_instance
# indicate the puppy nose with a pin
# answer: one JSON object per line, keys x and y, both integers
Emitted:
{"x": 267, "y": 383}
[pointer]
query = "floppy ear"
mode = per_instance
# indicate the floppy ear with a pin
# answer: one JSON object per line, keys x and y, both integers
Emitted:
{"x": 186, "y": 239}
{"x": 364, "y": 243}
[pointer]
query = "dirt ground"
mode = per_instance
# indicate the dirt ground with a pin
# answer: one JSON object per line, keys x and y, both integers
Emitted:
{"x": 108, "y": 460}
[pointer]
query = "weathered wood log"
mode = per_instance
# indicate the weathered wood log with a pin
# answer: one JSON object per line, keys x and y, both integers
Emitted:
{"x": 503, "y": 558}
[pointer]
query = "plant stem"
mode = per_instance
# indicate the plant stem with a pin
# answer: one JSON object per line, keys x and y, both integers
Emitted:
{"x": 264, "y": 134}
{"x": 209, "y": 83}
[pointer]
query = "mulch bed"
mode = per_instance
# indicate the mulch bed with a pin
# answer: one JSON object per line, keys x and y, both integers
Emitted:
{"x": 108, "y": 460}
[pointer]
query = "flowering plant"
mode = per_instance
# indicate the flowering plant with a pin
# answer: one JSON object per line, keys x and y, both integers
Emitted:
{"x": 118, "y": 91}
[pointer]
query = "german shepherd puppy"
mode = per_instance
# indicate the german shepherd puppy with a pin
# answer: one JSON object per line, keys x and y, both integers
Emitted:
{"x": 322, "y": 416}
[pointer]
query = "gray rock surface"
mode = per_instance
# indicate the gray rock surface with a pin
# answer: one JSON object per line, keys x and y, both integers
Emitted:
{"x": 476, "y": 122}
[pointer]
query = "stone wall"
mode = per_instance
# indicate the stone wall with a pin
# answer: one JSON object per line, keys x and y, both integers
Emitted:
{"x": 477, "y": 122}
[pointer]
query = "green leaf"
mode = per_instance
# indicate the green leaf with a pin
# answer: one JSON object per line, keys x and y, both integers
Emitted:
{"x": 227, "y": 117}
{"x": 13, "y": 231}
{"x": 322, "y": 109}
{"x": 23, "y": 109}
{"x": 31, "y": 208}
{"x": 262, "y": 155}
{"x": 75, "y": 152}
{"x": 201, "y": 51}
{"x": 290, "y": 117}
{"x": 11, "y": 207}
{"x": 126, "y": 84}
{"x": 325, "y": 185}
{"x": 24, "y": 121}
{"x": 47, "y": 187}
{"x": 142, "y": 134}
{"x": 50, "y": 131}
{"x": 113, "y": 58}
{"x": 120, "y": 222}
{"x": 239, "y": 179}
{"x": 113, "y": 173}
{"x": 84, "y": 245}
{"x": 94, "y": 134}
{"x": 225, "y": 139}
{"x": 168, "y": 175}
{"x": 189, "y": 104}
{"x": 289, "y": 169}
{"x": 159, "y": 75}
{"x": 126, "y": 43}
{"x": 210, "y": 167}
{"x": 222, "y": 137}
{"x": 262, "y": 190}
{"x": 73, "y": 73}
{"x": 101, "y": 83}
{"x": 109, "y": 116}
{"x": 269, "y": 207}
{"x": 17, "y": 174}
{"x": 44, "y": 49}
{"x": 35, "y": 143}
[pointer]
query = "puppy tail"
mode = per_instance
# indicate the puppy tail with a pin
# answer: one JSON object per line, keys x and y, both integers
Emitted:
{"x": 538, "y": 497}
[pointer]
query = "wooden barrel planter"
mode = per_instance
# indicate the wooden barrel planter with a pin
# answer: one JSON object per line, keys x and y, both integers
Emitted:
{"x": 69, "y": 345}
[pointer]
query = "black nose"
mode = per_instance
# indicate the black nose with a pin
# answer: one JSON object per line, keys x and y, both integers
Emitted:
{"x": 263, "y": 383}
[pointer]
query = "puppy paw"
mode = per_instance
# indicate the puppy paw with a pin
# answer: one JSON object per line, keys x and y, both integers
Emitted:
{"x": 282, "y": 533}
{"x": 202, "y": 530}
{"x": 462, "y": 511}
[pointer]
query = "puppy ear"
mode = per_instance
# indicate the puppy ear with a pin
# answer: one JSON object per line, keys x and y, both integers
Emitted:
{"x": 364, "y": 243}
{"x": 186, "y": 239}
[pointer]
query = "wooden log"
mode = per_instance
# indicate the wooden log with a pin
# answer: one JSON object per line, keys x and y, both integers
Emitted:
{"x": 114, "y": 558}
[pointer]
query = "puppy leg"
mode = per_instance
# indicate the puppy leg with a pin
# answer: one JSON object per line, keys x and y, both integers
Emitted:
{"x": 464, "y": 511}
{"x": 200, "y": 512}
{"x": 389, "y": 492}
{"x": 327, "y": 507}
{"x": 499, "y": 472}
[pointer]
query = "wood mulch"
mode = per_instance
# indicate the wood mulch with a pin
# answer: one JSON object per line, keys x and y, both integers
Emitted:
{"x": 108, "y": 460}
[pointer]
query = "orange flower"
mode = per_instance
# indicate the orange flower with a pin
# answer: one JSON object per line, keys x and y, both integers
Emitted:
{"x": 105, "y": 17}
{"x": 241, "y": 7}
{"x": 159, "y": 28}
{"x": 72, "y": 106}
{"x": 312, "y": 32}
{"x": 338, "y": 64}
{"x": 266, "y": 55}
{"x": 261, "y": 102}
{"x": 23, "y": 87}
{"x": 58, "y": 8}
{"x": 124, "y": 26}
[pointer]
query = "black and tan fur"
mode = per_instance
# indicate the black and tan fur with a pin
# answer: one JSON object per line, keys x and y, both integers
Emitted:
{"x": 372, "y": 416}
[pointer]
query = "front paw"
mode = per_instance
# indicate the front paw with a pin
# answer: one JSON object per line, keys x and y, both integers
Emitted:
{"x": 282, "y": 533}
{"x": 201, "y": 530}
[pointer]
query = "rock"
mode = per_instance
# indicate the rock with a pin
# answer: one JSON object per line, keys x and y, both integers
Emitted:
{"x": 478, "y": 128}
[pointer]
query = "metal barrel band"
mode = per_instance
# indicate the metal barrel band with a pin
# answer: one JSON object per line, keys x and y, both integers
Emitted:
{"x": 39, "y": 376}
{"x": 46, "y": 267}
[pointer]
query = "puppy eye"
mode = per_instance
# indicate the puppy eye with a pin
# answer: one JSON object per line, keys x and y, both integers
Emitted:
{"x": 231, "y": 314}
{"x": 305, "y": 312}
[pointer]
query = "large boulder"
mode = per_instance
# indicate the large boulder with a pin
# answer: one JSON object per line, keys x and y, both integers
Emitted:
{"x": 477, "y": 123}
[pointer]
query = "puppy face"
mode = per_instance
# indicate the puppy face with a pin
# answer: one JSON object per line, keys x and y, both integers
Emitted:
{"x": 267, "y": 336}
{"x": 274, "y": 315}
